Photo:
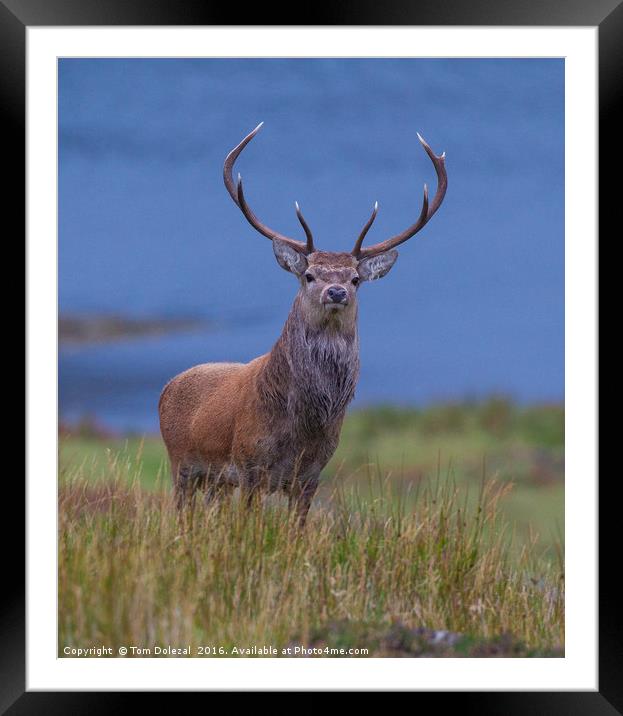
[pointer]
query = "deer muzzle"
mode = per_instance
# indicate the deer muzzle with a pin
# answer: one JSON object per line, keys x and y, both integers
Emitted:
{"x": 335, "y": 297}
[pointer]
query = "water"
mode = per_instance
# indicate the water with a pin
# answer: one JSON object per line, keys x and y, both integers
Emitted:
{"x": 475, "y": 303}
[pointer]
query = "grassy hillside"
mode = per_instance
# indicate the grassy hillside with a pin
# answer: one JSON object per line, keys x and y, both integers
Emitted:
{"x": 434, "y": 533}
{"x": 369, "y": 576}
{"x": 519, "y": 447}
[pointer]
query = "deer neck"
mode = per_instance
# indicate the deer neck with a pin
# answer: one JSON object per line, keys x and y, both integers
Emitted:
{"x": 312, "y": 371}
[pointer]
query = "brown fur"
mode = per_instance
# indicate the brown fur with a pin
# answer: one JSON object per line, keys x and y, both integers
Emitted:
{"x": 272, "y": 423}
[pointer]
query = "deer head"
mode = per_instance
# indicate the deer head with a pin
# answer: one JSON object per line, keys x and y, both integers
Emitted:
{"x": 329, "y": 280}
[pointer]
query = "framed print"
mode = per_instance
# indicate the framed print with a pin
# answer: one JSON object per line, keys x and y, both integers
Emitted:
{"x": 256, "y": 466}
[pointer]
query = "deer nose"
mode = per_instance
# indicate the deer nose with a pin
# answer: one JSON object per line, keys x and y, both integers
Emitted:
{"x": 337, "y": 294}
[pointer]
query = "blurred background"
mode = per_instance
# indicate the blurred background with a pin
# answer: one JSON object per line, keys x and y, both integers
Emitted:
{"x": 475, "y": 303}
{"x": 462, "y": 345}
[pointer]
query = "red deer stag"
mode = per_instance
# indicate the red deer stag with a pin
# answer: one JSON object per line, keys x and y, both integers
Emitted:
{"x": 274, "y": 423}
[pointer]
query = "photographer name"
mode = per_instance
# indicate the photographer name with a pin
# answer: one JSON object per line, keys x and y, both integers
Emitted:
{"x": 159, "y": 650}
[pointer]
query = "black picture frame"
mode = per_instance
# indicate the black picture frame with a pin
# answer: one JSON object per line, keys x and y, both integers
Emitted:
{"x": 17, "y": 15}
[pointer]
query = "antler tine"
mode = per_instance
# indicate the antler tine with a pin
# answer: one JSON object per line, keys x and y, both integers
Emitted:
{"x": 236, "y": 192}
{"x": 439, "y": 162}
{"x": 306, "y": 229}
{"x": 425, "y": 214}
{"x": 365, "y": 229}
{"x": 230, "y": 160}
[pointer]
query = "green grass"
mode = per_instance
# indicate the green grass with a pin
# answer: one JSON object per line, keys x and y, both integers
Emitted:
{"x": 522, "y": 446}
{"x": 405, "y": 539}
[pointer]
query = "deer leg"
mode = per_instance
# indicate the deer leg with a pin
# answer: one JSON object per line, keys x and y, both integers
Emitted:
{"x": 189, "y": 478}
{"x": 217, "y": 486}
{"x": 250, "y": 485}
{"x": 179, "y": 485}
{"x": 301, "y": 495}
{"x": 216, "y": 492}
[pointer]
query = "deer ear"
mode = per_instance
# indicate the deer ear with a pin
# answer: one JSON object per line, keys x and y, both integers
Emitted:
{"x": 376, "y": 266}
{"x": 289, "y": 258}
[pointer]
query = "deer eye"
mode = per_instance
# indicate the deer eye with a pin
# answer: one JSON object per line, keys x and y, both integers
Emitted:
{"x": 309, "y": 278}
{"x": 355, "y": 280}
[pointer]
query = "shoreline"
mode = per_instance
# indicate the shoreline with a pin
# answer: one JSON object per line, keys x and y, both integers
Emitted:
{"x": 88, "y": 329}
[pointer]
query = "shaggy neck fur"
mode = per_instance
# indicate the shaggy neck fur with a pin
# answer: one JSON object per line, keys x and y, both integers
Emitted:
{"x": 312, "y": 371}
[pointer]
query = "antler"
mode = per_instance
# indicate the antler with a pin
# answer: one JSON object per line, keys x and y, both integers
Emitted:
{"x": 365, "y": 230}
{"x": 237, "y": 194}
{"x": 425, "y": 214}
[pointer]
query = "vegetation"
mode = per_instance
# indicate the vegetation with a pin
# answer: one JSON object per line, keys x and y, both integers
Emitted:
{"x": 511, "y": 444}
{"x": 415, "y": 546}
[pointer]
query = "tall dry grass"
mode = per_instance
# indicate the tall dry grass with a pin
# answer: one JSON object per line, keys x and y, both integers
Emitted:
{"x": 132, "y": 572}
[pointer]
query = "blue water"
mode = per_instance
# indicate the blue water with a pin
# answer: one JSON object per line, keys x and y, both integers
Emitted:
{"x": 475, "y": 303}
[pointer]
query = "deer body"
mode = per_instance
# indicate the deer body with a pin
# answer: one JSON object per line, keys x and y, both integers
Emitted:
{"x": 271, "y": 424}
{"x": 274, "y": 423}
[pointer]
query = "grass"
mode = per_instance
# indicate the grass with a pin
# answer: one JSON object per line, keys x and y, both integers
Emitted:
{"x": 522, "y": 446}
{"x": 394, "y": 562}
